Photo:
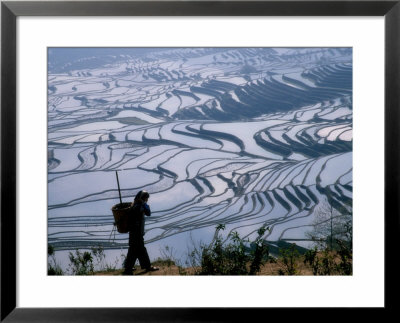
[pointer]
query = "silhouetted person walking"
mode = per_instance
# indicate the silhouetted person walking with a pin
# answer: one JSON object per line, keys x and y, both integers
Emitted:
{"x": 137, "y": 250}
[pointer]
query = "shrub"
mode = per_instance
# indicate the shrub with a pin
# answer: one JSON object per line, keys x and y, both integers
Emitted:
{"x": 81, "y": 263}
{"x": 328, "y": 262}
{"x": 289, "y": 257}
{"x": 311, "y": 259}
{"x": 53, "y": 268}
{"x": 260, "y": 252}
{"x": 345, "y": 253}
{"x": 167, "y": 257}
{"x": 233, "y": 257}
{"x": 99, "y": 255}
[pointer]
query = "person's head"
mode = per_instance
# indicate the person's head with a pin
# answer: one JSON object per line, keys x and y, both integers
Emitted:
{"x": 142, "y": 196}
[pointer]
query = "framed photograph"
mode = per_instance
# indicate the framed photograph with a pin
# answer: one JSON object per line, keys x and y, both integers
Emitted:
{"x": 256, "y": 127}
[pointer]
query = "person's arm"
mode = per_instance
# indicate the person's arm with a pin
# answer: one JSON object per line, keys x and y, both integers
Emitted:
{"x": 146, "y": 209}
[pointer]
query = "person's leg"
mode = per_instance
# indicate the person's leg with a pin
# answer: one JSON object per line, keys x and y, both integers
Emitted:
{"x": 143, "y": 256}
{"x": 131, "y": 256}
{"x": 139, "y": 251}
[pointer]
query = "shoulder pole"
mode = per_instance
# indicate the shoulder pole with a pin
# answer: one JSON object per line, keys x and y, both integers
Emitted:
{"x": 119, "y": 190}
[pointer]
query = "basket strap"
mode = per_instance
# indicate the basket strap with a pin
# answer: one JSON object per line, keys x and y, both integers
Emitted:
{"x": 115, "y": 232}
{"x": 114, "y": 229}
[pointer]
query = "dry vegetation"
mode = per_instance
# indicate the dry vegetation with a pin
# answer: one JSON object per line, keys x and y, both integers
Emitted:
{"x": 271, "y": 268}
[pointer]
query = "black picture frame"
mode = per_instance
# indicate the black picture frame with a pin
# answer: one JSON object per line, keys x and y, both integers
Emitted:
{"x": 10, "y": 10}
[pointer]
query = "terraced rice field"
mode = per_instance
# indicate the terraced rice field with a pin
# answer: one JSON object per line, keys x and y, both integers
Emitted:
{"x": 240, "y": 136}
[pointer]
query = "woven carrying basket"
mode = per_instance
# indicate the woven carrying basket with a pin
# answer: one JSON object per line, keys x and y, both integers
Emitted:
{"x": 120, "y": 212}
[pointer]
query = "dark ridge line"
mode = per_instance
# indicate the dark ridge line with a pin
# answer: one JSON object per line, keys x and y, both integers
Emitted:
{"x": 223, "y": 135}
{"x": 311, "y": 167}
{"x": 207, "y": 183}
{"x": 202, "y": 136}
{"x": 226, "y": 208}
{"x": 270, "y": 95}
{"x": 230, "y": 183}
{"x": 182, "y": 206}
{"x": 341, "y": 197}
{"x": 310, "y": 194}
{"x": 221, "y": 168}
{"x": 140, "y": 166}
{"x": 302, "y": 196}
{"x": 281, "y": 201}
{"x": 314, "y": 150}
{"x": 295, "y": 168}
{"x": 318, "y": 177}
{"x": 184, "y": 93}
{"x": 288, "y": 171}
{"x": 205, "y": 212}
{"x": 288, "y": 219}
{"x": 84, "y": 160}
{"x": 279, "y": 149}
{"x": 54, "y": 235}
{"x": 274, "y": 85}
{"x": 145, "y": 134}
{"x": 85, "y": 221}
{"x": 74, "y": 201}
{"x": 342, "y": 127}
{"x": 75, "y": 170}
{"x": 331, "y": 199}
{"x": 106, "y": 216}
{"x": 246, "y": 215}
{"x": 64, "y": 174}
{"x": 119, "y": 164}
{"x": 317, "y": 94}
{"x": 233, "y": 219}
{"x": 198, "y": 187}
{"x": 305, "y": 170}
{"x": 275, "y": 174}
{"x": 345, "y": 174}
{"x": 342, "y": 190}
{"x": 77, "y": 122}
{"x": 97, "y": 158}
{"x": 296, "y": 202}
{"x": 287, "y": 229}
{"x": 205, "y": 215}
{"x": 241, "y": 183}
{"x": 162, "y": 141}
{"x": 94, "y": 156}
{"x": 52, "y": 163}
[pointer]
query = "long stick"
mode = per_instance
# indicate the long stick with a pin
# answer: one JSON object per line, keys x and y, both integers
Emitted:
{"x": 119, "y": 190}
